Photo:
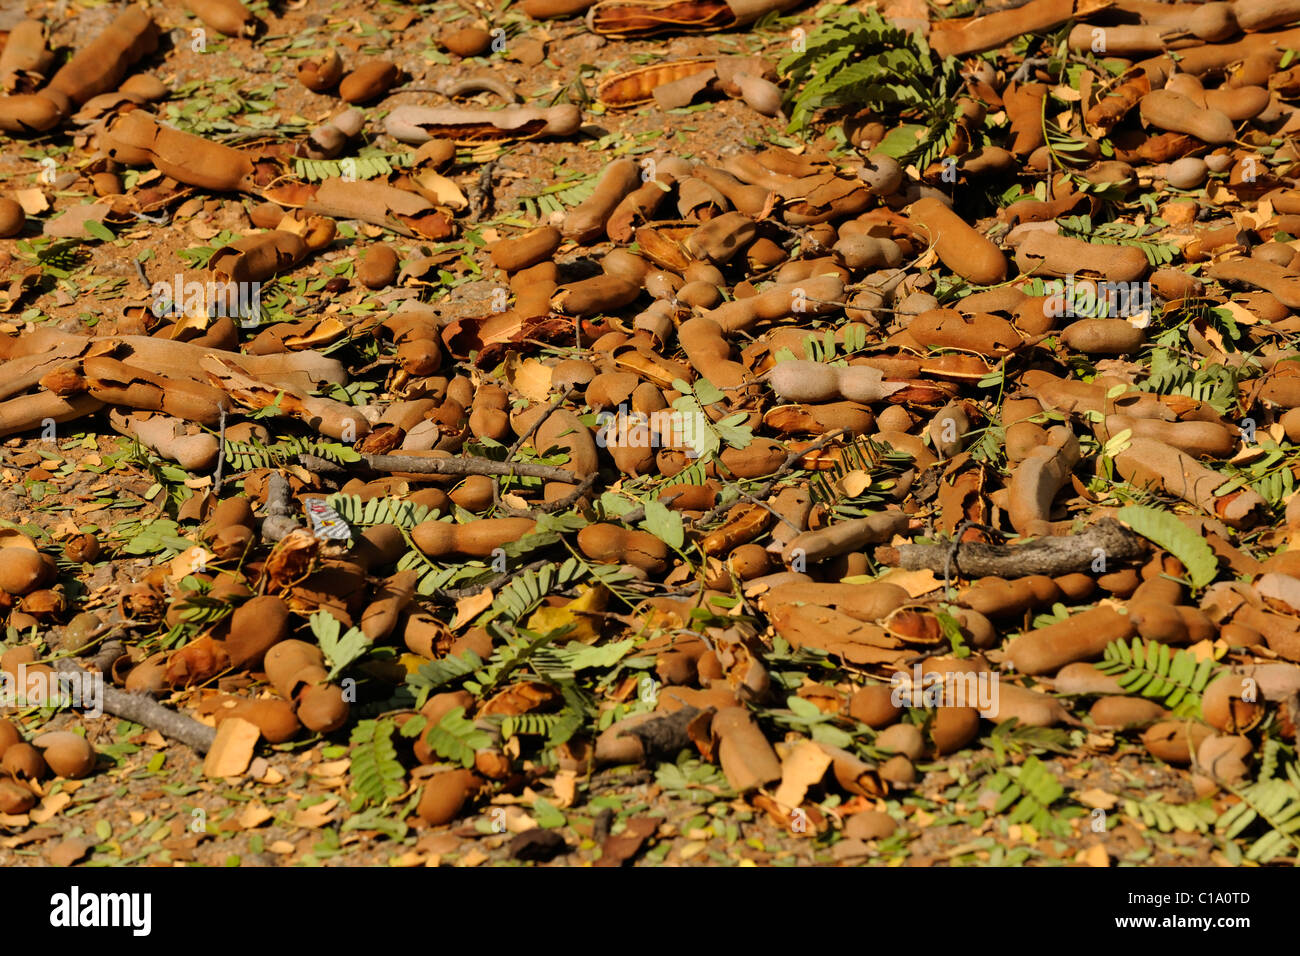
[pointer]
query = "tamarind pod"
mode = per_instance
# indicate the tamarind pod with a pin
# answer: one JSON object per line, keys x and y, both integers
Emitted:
{"x": 327, "y": 416}
{"x": 614, "y": 543}
{"x": 816, "y": 296}
{"x": 1254, "y": 15}
{"x": 585, "y": 223}
{"x": 28, "y": 113}
{"x": 117, "y": 383}
{"x": 851, "y": 417}
{"x": 744, "y": 523}
{"x": 1117, "y": 102}
{"x": 762, "y": 95}
{"x": 25, "y": 57}
{"x": 1115, "y": 711}
{"x": 136, "y": 139}
{"x": 259, "y": 257}
{"x": 369, "y": 81}
{"x": 1272, "y": 278}
{"x": 1217, "y": 57}
{"x": 747, "y": 759}
{"x": 1122, "y": 40}
{"x": 979, "y": 332}
{"x": 1176, "y": 113}
{"x": 722, "y": 237}
{"x": 392, "y": 598}
{"x": 403, "y": 212}
{"x": 754, "y": 201}
{"x": 167, "y": 437}
{"x": 33, "y": 411}
{"x": 634, "y": 87}
{"x": 521, "y": 252}
{"x": 100, "y": 65}
{"x": 958, "y": 245}
{"x": 586, "y": 297}
{"x": 960, "y": 36}
{"x": 1240, "y": 103}
{"x": 708, "y": 351}
{"x": 845, "y": 536}
{"x": 863, "y": 602}
{"x": 225, "y": 16}
{"x": 544, "y": 9}
{"x": 1048, "y": 254}
{"x": 1030, "y": 708}
{"x": 996, "y": 598}
{"x": 1176, "y": 741}
{"x": 419, "y": 124}
{"x": 21, "y": 373}
{"x": 1201, "y": 439}
{"x": 1037, "y": 480}
{"x": 626, "y": 19}
{"x": 641, "y": 203}
{"x": 1080, "y": 637}
{"x": 1147, "y": 463}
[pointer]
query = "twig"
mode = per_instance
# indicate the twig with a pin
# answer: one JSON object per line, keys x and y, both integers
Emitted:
{"x": 956, "y": 544}
{"x": 785, "y": 469}
{"x": 519, "y": 442}
{"x": 417, "y": 465}
{"x": 221, "y": 453}
{"x": 1030, "y": 63}
{"x": 146, "y": 711}
{"x": 481, "y": 204}
{"x": 108, "y": 655}
{"x": 768, "y": 508}
{"x": 1050, "y": 556}
{"x": 550, "y": 507}
{"x": 451, "y": 595}
{"x": 638, "y": 513}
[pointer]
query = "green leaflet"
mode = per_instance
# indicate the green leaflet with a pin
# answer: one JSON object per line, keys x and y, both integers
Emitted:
{"x": 341, "y": 648}
{"x": 355, "y": 512}
{"x": 245, "y": 456}
{"x": 1153, "y": 811}
{"x": 1026, "y": 794}
{"x": 1182, "y": 542}
{"x": 1274, "y": 802}
{"x": 1149, "y": 668}
{"x": 858, "y": 59}
{"x": 455, "y": 738}
{"x": 377, "y": 775}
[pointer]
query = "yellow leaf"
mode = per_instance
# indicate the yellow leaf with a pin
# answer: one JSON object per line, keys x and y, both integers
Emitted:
{"x": 468, "y": 608}
{"x": 439, "y": 189}
{"x": 577, "y": 612}
{"x": 412, "y": 662}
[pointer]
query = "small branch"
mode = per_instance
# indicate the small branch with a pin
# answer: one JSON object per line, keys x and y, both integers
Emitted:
{"x": 146, "y": 711}
{"x": 551, "y": 507}
{"x": 108, "y": 655}
{"x": 451, "y": 595}
{"x": 221, "y": 454}
{"x": 417, "y": 465}
{"x": 766, "y": 488}
{"x": 519, "y": 443}
{"x": 1050, "y": 556}
{"x": 638, "y": 513}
